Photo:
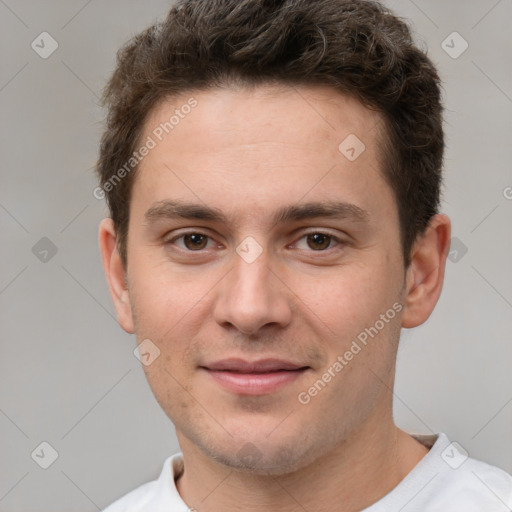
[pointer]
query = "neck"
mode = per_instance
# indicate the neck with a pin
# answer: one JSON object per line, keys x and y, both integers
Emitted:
{"x": 355, "y": 474}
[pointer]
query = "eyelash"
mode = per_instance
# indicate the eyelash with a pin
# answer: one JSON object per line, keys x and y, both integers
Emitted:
{"x": 332, "y": 237}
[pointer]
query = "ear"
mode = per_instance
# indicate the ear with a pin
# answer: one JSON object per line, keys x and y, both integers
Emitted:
{"x": 425, "y": 274}
{"x": 116, "y": 274}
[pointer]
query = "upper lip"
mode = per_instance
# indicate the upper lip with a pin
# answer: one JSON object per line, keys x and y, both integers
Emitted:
{"x": 260, "y": 366}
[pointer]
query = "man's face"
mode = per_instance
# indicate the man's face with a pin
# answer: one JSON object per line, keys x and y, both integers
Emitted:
{"x": 244, "y": 335}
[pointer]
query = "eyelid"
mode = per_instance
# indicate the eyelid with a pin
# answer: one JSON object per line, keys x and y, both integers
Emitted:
{"x": 323, "y": 231}
{"x": 179, "y": 233}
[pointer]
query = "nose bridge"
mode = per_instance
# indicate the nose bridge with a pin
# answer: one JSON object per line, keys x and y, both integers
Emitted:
{"x": 252, "y": 278}
{"x": 252, "y": 296}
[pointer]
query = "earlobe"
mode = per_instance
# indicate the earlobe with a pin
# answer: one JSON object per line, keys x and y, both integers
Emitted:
{"x": 425, "y": 274}
{"x": 115, "y": 274}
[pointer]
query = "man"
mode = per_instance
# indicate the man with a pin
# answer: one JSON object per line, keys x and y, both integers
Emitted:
{"x": 273, "y": 173}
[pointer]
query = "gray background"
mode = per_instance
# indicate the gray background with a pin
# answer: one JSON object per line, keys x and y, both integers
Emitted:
{"x": 68, "y": 375}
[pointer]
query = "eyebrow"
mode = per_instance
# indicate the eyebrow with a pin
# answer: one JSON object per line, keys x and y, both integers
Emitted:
{"x": 169, "y": 209}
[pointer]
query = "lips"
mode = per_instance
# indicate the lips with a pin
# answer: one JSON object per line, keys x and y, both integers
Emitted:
{"x": 254, "y": 377}
{"x": 261, "y": 366}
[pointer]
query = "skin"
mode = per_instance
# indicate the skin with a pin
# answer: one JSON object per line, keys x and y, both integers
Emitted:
{"x": 248, "y": 153}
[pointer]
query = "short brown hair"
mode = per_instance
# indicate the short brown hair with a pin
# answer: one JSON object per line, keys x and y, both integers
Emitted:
{"x": 356, "y": 46}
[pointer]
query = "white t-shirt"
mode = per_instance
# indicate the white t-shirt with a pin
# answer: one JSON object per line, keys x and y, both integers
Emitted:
{"x": 445, "y": 480}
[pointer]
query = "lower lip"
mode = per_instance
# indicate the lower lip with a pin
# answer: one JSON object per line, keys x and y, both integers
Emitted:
{"x": 255, "y": 383}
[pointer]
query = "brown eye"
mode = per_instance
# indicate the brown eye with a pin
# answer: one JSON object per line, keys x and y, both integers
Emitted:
{"x": 318, "y": 241}
{"x": 195, "y": 241}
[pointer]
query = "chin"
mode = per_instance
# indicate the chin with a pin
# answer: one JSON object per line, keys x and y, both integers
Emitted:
{"x": 262, "y": 456}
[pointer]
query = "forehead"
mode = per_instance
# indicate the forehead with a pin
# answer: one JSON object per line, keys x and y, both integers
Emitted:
{"x": 253, "y": 114}
{"x": 248, "y": 149}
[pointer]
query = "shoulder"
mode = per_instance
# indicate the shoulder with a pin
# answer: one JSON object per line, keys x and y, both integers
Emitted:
{"x": 478, "y": 483}
{"x": 156, "y": 495}
{"x": 134, "y": 500}
{"x": 463, "y": 484}
{"x": 448, "y": 480}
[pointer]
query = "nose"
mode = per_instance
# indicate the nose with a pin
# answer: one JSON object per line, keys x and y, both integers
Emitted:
{"x": 252, "y": 296}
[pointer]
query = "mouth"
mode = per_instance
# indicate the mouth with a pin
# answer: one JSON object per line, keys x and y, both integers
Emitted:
{"x": 254, "y": 378}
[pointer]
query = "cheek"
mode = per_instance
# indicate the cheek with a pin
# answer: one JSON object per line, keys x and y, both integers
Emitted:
{"x": 170, "y": 388}
{"x": 166, "y": 301}
{"x": 347, "y": 300}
